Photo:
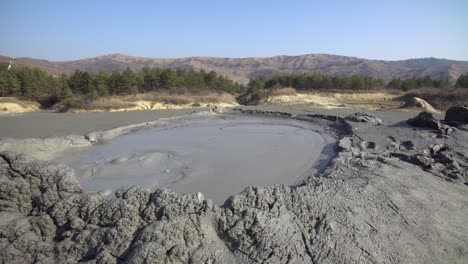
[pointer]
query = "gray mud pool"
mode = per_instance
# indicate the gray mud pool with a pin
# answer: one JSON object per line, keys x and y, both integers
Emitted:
{"x": 216, "y": 156}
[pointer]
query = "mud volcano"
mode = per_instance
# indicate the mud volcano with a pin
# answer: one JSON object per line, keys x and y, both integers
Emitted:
{"x": 217, "y": 156}
{"x": 393, "y": 193}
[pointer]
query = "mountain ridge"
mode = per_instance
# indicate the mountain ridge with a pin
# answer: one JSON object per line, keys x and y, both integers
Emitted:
{"x": 242, "y": 69}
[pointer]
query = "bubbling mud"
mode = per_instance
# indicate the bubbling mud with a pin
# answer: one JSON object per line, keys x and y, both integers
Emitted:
{"x": 217, "y": 156}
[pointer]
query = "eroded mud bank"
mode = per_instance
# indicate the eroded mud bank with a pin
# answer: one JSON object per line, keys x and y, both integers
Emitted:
{"x": 369, "y": 205}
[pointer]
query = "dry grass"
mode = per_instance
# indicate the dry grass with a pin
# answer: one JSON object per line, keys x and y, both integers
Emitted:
{"x": 282, "y": 91}
{"x": 162, "y": 98}
{"x": 180, "y": 98}
{"x": 442, "y": 98}
{"x": 17, "y": 105}
{"x": 15, "y": 100}
{"x": 332, "y": 91}
{"x": 108, "y": 103}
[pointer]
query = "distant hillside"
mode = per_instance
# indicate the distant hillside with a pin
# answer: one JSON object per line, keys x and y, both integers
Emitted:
{"x": 242, "y": 69}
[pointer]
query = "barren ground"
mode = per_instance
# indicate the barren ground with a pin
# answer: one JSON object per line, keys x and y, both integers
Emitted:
{"x": 378, "y": 101}
{"x": 393, "y": 194}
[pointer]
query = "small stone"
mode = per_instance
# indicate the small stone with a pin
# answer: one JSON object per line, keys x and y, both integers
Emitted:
{"x": 200, "y": 196}
{"x": 436, "y": 148}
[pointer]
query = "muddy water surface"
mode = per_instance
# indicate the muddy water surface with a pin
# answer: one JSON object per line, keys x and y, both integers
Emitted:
{"x": 215, "y": 156}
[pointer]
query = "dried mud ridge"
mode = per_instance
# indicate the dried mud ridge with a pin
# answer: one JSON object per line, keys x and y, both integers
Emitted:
{"x": 393, "y": 194}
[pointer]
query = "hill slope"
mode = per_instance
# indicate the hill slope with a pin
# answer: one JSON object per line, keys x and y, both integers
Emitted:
{"x": 241, "y": 69}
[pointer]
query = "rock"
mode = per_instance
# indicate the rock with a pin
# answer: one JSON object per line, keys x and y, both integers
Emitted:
{"x": 406, "y": 145}
{"x": 424, "y": 119}
{"x": 427, "y": 120}
{"x": 440, "y": 160}
{"x": 436, "y": 148}
{"x": 363, "y": 117}
{"x": 345, "y": 144}
{"x": 457, "y": 114}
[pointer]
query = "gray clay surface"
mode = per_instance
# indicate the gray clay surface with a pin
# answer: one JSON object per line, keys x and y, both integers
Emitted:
{"x": 394, "y": 193}
{"x": 216, "y": 156}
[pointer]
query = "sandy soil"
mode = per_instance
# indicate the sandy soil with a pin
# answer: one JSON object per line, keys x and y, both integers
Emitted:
{"x": 157, "y": 101}
{"x": 361, "y": 100}
{"x": 149, "y": 105}
{"x": 13, "y": 105}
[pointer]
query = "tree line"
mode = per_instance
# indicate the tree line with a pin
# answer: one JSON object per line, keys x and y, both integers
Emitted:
{"x": 318, "y": 81}
{"x": 414, "y": 83}
{"x": 35, "y": 84}
{"x": 315, "y": 81}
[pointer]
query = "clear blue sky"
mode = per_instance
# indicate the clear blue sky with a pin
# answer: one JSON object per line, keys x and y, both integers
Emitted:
{"x": 399, "y": 29}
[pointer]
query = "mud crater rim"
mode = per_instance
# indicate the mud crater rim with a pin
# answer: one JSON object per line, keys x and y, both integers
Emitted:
{"x": 180, "y": 170}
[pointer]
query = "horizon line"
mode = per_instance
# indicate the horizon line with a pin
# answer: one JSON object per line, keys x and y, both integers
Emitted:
{"x": 220, "y": 57}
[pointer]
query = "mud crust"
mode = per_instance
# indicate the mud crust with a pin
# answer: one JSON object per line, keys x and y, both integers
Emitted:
{"x": 393, "y": 194}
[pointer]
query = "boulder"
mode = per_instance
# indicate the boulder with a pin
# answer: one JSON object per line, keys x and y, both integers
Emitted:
{"x": 427, "y": 120}
{"x": 457, "y": 114}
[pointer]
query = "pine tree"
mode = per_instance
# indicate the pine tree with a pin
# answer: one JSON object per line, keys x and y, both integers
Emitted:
{"x": 100, "y": 84}
{"x": 462, "y": 81}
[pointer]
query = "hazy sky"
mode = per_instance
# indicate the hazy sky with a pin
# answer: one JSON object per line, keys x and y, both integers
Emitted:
{"x": 399, "y": 29}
